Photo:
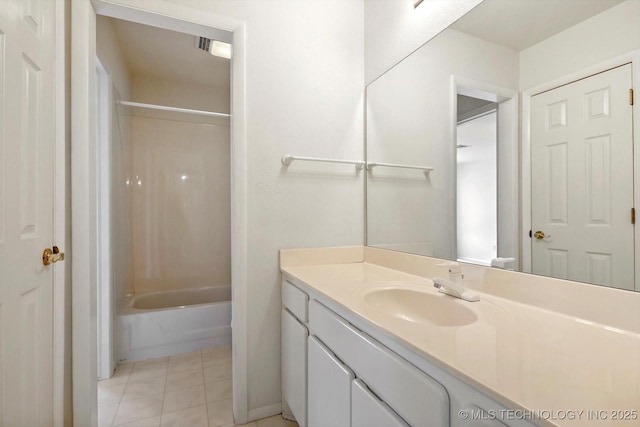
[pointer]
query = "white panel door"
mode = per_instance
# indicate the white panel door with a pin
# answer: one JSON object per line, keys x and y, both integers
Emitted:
{"x": 27, "y": 131}
{"x": 329, "y": 388}
{"x": 582, "y": 180}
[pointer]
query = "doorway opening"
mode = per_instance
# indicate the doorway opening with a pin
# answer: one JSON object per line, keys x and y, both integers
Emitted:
{"x": 83, "y": 219}
{"x": 486, "y": 174}
{"x": 163, "y": 208}
{"x": 476, "y": 180}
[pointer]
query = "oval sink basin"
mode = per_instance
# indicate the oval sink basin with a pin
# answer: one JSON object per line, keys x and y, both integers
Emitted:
{"x": 419, "y": 307}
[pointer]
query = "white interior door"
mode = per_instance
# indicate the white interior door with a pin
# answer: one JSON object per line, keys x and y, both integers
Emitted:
{"x": 582, "y": 180}
{"x": 27, "y": 140}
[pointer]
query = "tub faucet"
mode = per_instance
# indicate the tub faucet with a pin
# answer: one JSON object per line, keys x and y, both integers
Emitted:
{"x": 453, "y": 286}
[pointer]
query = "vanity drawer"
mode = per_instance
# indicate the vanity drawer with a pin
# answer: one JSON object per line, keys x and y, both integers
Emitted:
{"x": 414, "y": 395}
{"x": 295, "y": 300}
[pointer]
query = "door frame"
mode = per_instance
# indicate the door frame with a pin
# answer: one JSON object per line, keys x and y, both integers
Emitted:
{"x": 83, "y": 145}
{"x": 61, "y": 322}
{"x": 506, "y": 129}
{"x": 633, "y": 58}
{"x": 104, "y": 291}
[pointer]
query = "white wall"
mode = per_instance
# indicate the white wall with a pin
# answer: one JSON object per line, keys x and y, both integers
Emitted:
{"x": 394, "y": 29}
{"x": 409, "y": 121}
{"x": 304, "y": 94}
{"x": 609, "y": 34}
{"x": 154, "y": 90}
{"x": 110, "y": 54}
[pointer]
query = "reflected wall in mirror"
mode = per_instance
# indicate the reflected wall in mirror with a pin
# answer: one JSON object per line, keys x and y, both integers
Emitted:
{"x": 523, "y": 109}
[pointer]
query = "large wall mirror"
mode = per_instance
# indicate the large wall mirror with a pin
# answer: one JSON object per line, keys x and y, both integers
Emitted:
{"x": 508, "y": 141}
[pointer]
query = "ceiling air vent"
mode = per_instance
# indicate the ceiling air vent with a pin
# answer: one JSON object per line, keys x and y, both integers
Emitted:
{"x": 203, "y": 43}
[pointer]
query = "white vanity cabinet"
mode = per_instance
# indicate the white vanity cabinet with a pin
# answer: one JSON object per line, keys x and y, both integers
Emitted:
{"x": 409, "y": 392}
{"x": 329, "y": 388}
{"x": 367, "y": 410}
{"x": 294, "y": 350}
{"x": 338, "y": 371}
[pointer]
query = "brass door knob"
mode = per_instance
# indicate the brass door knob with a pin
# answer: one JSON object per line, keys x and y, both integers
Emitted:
{"x": 539, "y": 235}
{"x": 49, "y": 256}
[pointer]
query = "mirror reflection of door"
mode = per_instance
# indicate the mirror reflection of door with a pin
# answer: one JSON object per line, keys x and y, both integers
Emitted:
{"x": 582, "y": 180}
{"x": 476, "y": 181}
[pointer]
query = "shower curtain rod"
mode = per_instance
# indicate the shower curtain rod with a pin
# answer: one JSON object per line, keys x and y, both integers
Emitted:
{"x": 174, "y": 109}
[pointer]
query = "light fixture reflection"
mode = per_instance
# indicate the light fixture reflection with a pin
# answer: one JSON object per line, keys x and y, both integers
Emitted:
{"x": 221, "y": 49}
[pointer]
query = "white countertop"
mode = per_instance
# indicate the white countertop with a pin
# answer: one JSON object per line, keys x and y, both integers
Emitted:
{"x": 522, "y": 356}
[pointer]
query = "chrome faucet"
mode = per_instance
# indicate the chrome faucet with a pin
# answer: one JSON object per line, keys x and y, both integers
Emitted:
{"x": 453, "y": 286}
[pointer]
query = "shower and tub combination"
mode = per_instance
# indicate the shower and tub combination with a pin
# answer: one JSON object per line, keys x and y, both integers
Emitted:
{"x": 166, "y": 199}
{"x": 164, "y": 323}
{"x": 180, "y": 209}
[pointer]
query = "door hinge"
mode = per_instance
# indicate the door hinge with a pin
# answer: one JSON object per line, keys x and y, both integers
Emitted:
{"x": 633, "y": 215}
{"x": 630, "y": 96}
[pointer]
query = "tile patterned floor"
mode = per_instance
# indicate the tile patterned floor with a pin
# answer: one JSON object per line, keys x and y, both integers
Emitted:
{"x": 187, "y": 390}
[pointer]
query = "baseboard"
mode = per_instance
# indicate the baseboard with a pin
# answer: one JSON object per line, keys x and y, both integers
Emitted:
{"x": 265, "y": 411}
{"x": 286, "y": 411}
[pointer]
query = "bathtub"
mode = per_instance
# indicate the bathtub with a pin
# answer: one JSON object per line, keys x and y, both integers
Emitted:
{"x": 158, "y": 324}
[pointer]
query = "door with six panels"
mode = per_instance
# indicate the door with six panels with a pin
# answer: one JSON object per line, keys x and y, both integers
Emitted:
{"x": 27, "y": 137}
{"x": 582, "y": 180}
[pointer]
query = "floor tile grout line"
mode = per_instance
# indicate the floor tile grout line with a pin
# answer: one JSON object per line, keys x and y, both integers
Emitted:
{"x": 143, "y": 397}
{"x": 204, "y": 387}
{"x": 126, "y": 383}
{"x": 164, "y": 392}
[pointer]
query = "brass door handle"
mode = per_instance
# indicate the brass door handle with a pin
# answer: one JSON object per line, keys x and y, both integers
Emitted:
{"x": 49, "y": 256}
{"x": 540, "y": 235}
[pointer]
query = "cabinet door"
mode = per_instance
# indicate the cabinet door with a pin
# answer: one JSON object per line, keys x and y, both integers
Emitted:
{"x": 369, "y": 411}
{"x": 414, "y": 395}
{"x": 294, "y": 366}
{"x": 329, "y": 388}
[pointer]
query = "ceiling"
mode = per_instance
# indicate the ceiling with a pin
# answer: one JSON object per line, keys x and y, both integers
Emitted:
{"x": 467, "y": 104}
{"x": 520, "y": 24}
{"x": 165, "y": 54}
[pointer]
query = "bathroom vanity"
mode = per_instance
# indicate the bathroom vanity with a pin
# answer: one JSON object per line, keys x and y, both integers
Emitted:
{"x": 368, "y": 341}
{"x": 509, "y": 139}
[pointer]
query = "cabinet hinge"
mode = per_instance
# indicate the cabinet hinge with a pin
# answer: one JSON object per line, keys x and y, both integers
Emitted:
{"x": 633, "y": 215}
{"x": 630, "y": 96}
